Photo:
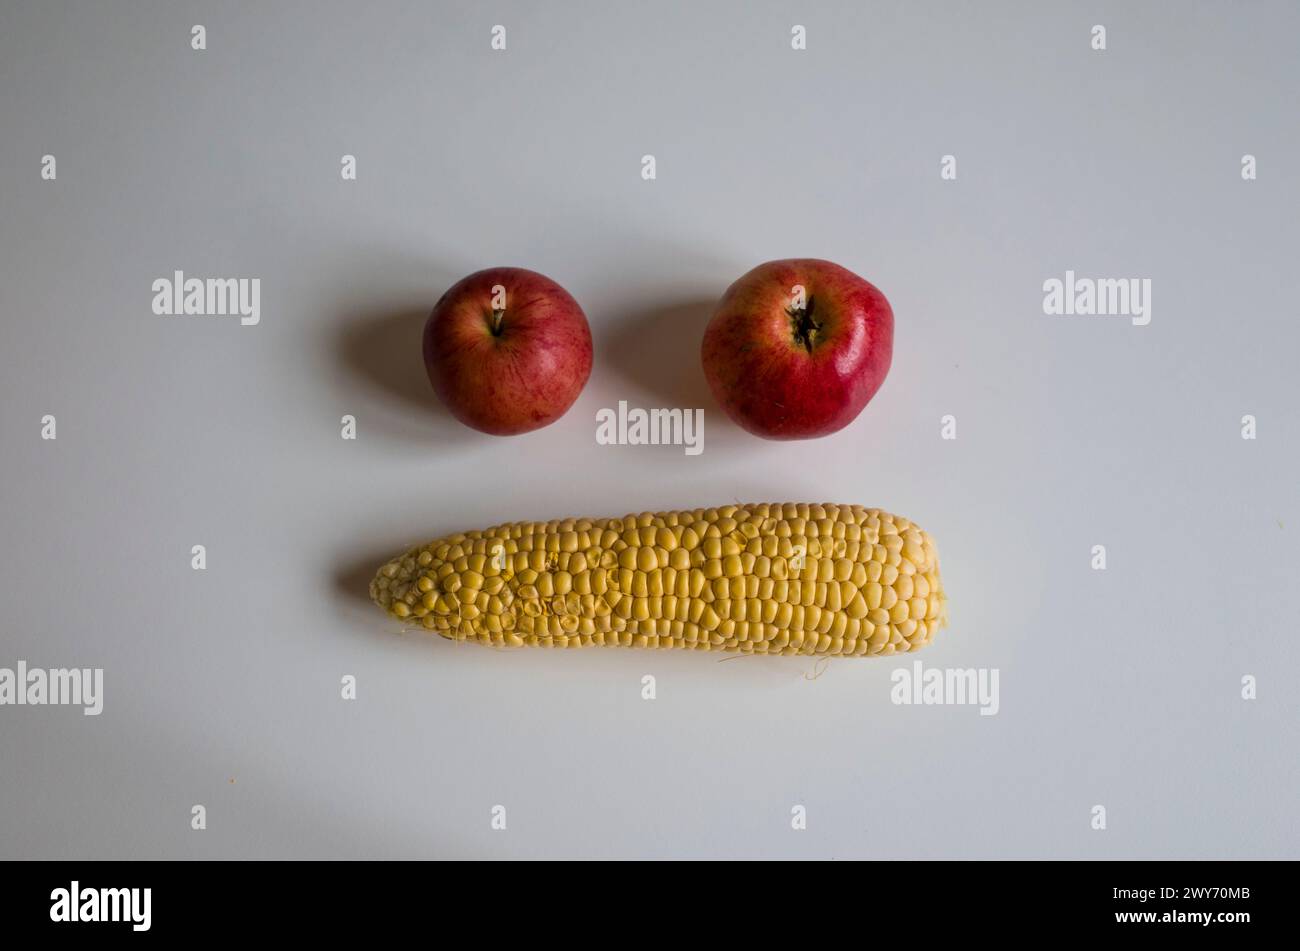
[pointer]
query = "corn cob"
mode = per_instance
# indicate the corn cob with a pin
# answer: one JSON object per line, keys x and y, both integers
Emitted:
{"x": 764, "y": 579}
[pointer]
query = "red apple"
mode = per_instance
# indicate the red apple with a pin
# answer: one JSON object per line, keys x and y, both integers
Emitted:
{"x": 796, "y": 348}
{"x": 507, "y": 350}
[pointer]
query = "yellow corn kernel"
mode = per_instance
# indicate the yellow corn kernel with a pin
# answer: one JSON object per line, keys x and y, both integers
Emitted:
{"x": 873, "y": 593}
{"x": 857, "y": 608}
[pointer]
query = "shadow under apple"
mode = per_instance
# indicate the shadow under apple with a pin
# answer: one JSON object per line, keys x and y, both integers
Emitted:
{"x": 657, "y": 352}
{"x": 381, "y": 347}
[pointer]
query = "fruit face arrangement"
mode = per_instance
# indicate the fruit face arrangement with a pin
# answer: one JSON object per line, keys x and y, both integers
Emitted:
{"x": 797, "y": 348}
{"x": 507, "y": 350}
{"x": 793, "y": 578}
{"x": 794, "y": 350}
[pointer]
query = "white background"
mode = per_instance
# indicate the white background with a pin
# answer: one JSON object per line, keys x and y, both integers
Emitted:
{"x": 1118, "y": 687}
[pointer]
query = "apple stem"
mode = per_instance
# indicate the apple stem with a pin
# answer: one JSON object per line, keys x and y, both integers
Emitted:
{"x": 805, "y": 328}
{"x": 497, "y": 317}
